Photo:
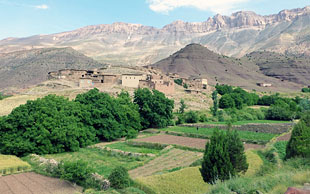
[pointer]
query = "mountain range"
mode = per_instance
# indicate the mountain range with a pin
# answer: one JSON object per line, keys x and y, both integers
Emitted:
{"x": 244, "y": 32}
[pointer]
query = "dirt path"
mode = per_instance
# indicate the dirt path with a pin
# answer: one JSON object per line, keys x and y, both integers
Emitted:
{"x": 285, "y": 137}
{"x": 186, "y": 141}
{"x": 31, "y": 183}
{"x": 172, "y": 159}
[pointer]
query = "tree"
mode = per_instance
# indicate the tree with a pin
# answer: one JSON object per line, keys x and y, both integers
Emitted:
{"x": 216, "y": 163}
{"x": 281, "y": 111}
{"x": 154, "y": 108}
{"x": 48, "y": 125}
{"x": 119, "y": 178}
{"x": 236, "y": 152}
{"x": 178, "y": 81}
{"x": 182, "y": 106}
{"x": 299, "y": 144}
{"x": 111, "y": 117}
{"x": 215, "y": 103}
{"x": 227, "y": 101}
{"x": 223, "y": 89}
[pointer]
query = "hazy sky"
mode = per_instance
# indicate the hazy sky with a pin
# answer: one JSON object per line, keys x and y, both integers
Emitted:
{"x": 20, "y": 18}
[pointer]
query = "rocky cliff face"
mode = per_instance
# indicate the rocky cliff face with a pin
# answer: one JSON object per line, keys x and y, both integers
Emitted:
{"x": 134, "y": 44}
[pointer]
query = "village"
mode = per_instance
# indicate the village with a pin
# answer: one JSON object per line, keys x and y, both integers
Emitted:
{"x": 145, "y": 77}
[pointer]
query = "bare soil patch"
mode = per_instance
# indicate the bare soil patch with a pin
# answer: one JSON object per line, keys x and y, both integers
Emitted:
{"x": 285, "y": 137}
{"x": 186, "y": 141}
{"x": 32, "y": 183}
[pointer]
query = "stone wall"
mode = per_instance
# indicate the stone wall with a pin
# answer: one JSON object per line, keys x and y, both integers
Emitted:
{"x": 274, "y": 128}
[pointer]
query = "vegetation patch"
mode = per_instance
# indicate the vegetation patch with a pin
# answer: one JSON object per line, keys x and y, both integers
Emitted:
{"x": 167, "y": 161}
{"x": 12, "y": 164}
{"x": 131, "y": 148}
{"x": 255, "y": 162}
{"x": 102, "y": 161}
{"x": 247, "y": 136}
{"x": 184, "y": 181}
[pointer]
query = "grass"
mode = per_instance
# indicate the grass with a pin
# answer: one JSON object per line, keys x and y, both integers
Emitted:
{"x": 248, "y": 122}
{"x": 254, "y": 161}
{"x": 102, "y": 161}
{"x": 11, "y": 164}
{"x": 184, "y": 181}
{"x": 130, "y": 148}
{"x": 244, "y": 135}
{"x": 281, "y": 148}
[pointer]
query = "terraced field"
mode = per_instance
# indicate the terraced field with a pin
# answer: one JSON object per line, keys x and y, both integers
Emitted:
{"x": 12, "y": 164}
{"x": 31, "y": 183}
{"x": 186, "y": 141}
{"x": 172, "y": 159}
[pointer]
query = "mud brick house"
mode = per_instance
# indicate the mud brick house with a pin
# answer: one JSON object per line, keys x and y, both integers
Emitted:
{"x": 158, "y": 82}
{"x": 264, "y": 84}
{"x": 68, "y": 74}
{"x": 86, "y": 83}
{"x": 132, "y": 80}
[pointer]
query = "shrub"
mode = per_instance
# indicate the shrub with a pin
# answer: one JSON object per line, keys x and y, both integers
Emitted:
{"x": 191, "y": 117}
{"x": 77, "y": 172}
{"x": 299, "y": 144}
{"x": 119, "y": 178}
{"x": 178, "y": 81}
{"x": 154, "y": 108}
{"x": 305, "y": 90}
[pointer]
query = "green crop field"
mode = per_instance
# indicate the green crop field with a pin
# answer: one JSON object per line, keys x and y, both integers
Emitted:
{"x": 130, "y": 148}
{"x": 248, "y": 122}
{"x": 11, "y": 164}
{"x": 102, "y": 161}
{"x": 187, "y": 180}
{"x": 244, "y": 135}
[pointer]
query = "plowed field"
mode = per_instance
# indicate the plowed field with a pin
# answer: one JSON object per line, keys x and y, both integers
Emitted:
{"x": 186, "y": 141}
{"x": 31, "y": 183}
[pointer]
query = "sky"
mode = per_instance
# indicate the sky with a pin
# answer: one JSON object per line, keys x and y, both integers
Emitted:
{"x": 22, "y": 18}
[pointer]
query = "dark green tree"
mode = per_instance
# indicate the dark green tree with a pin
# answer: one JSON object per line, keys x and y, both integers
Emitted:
{"x": 226, "y": 101}
{"x": 182, "y": 106}
{"x": 236, "y": 152}
{"x": 281, "y": 111}
{"x": 223, "y": 89}
{"x": 49, "y": 125}
{"x": 154, "y": 108}
{"x": 111, "y": 117}
{"x": 216, "y": 163}
{"x": 299, "y": 144}
{"x": 215, "y": 103}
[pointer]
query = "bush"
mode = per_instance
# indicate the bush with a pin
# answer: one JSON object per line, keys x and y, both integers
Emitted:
{"x": 77, "y": 172}
{"x": 191, "y": 117}
{"x": 154, "y": 108}
{"x": 305, "y": 90}
{"x": 49, "y": 125}
{"x": 178, "y": 81}
{"x": 299, "y": 144}
{"x": 119, "y": 178}
{"x": 227, "y": 102}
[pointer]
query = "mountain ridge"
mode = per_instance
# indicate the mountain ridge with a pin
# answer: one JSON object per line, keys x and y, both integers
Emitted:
{"x": 135, "y": 44}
